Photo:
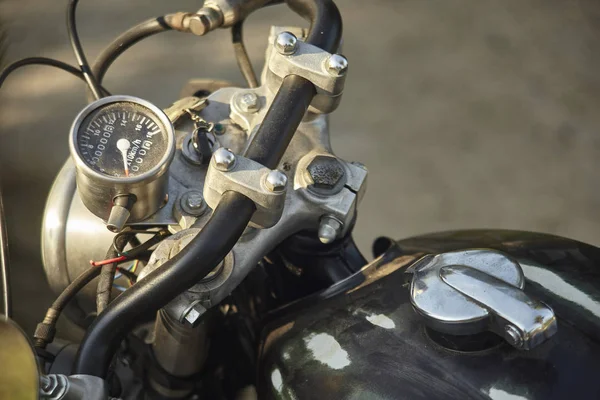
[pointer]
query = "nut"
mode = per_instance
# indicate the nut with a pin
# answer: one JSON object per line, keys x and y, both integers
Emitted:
{"x": 193, "y": 313}
{"x": 276, "y": 181}
{"x": 286, "y": 43}
{"x": 326, "y": 172}
{"x": 224, "y": 159}
{"x": 337, "y": 65}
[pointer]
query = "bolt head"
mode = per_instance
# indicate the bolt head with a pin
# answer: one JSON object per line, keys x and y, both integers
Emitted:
{"x": 198, "y": 24}
{"x": 513, "y": 336}
{"x": 276, "y": 181}
{"x": 248, "y": 102}
{"x": 194, "y": 314}
{"x": 326, "y": 172}
{"x": 329, "y": 229}
{"x": 192, "y": 203}
{"x": 337, "y": 65}
{"x": 224, "y": 159}
{"x": 286, "y": 43}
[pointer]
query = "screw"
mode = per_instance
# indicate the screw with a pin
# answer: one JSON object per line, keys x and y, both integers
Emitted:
{"x": 224, "y": 159}
{"x": 337, "y": 65}
{"x": 193, "y": 313}
{"x": 513, "y": 336}
{"x": 329, "y": 229}
{"x": 286, "y": 43}
{"x": 247, "y": 102}
{"x": 276, "y": 181}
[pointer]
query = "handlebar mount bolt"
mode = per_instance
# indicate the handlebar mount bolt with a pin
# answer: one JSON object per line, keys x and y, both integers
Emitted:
{"x": 224, "y": 159}
{"x": 337, "y": 65}
{"x": 276, "y": 181}
{"x": 286, "y": 43}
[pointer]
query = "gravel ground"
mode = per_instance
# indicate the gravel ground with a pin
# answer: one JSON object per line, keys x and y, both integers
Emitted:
{"x": 467, "y": 113}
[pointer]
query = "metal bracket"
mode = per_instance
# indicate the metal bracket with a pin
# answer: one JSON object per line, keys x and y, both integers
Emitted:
{"x": 309, "y": 62}
{"x": 250, "y": 179}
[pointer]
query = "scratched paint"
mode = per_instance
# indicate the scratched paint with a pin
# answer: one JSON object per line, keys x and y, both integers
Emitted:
{"x": 327, "y": 350}
{"x": 381, "y": 321}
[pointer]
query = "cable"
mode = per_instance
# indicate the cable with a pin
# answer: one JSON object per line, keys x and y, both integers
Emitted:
{"x": 224, "y": 227}
{"x": 107, "y": 275}
{"x": 125, "y": 41}
{"x": 4, "y": 263}
{"x": 40, "y": 61}
{"x": 241, "y": 55}
{"x": 44, "y": 332}
{"x": 194, "y": 262}
{"x": 78, "y": 50}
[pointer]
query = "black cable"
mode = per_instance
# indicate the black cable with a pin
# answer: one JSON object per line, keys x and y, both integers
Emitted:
{"x": 78, "y": 50}
{"x": 40, "y": 61}
{"x": 241, "y": 55}
{"x": 125, "y": 41}
{"x": 226, "y": 224}
{"x": 4, "y": 260}
{"x": 194, "y": 262}
{"x": 44, "y": 332}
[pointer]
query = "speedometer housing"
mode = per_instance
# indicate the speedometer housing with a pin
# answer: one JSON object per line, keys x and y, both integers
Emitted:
{"x": 122, "y": 146}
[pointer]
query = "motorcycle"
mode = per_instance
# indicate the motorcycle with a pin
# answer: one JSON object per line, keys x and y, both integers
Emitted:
{"x": 223, "y": 264}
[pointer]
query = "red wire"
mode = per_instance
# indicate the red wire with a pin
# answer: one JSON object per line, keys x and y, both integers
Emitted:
{"x": 109, "y": 261}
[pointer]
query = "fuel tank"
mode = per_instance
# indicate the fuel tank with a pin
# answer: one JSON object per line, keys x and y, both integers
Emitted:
{"x": 364, "y": 339}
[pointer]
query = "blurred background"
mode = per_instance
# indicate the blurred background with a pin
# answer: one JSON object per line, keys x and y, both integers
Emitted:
{"x": 467, "y": 113}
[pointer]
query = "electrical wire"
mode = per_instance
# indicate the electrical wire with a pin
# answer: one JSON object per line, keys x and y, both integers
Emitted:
{"x": 41, "y": 61}
{"x": 4, "y": 263}
{"x": 78, "y": 51}
{"x": 241, "y": 55}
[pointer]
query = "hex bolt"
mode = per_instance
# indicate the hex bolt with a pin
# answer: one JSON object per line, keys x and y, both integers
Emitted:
{"x": 247, "y": 102}
{"x": 224, "y": 159}
{"x": 513, "y": 336}
{"x": 337, "y": 65}
{"x": 276, "y": 181}
{"x": 286, "y": 43}
{"x": 329, "y": 229}
{"x": 193, "y": 203}
{"x": 192, "y": 315}
{"x": 326, "y": 175}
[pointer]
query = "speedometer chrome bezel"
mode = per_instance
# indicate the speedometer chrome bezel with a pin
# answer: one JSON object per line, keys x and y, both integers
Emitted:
{"x": 156, "y": 170}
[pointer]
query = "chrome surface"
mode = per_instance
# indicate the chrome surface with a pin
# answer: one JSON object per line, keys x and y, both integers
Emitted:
{"x": 329, "y": 229}
{"x": 223, "y": 159}
{"x": 468, "y": 292}
{"x": 54, "y": 387}
{"x": 337, "y": 65}
{"x": 98, "y": 190}
{"x": 286, "y": 43}
{"x": 246, "y": 177}
{"x": 276, "y": 181}
{"x": 326, "y": 71}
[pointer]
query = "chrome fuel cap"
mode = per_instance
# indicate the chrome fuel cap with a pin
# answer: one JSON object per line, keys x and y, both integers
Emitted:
{"x": 471, "y": 291}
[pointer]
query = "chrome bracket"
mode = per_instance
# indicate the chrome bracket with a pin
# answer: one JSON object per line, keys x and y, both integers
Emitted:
{"x": 471, "y": 291}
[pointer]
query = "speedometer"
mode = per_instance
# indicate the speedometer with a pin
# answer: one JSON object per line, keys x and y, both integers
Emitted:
{"x": 122, "y": 147}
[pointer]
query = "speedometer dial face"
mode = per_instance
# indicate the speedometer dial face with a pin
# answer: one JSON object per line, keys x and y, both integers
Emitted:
{"x": 122, "y": 139}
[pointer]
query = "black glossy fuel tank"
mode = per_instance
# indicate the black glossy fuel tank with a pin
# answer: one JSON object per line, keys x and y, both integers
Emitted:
{"x": 362, "y": 340}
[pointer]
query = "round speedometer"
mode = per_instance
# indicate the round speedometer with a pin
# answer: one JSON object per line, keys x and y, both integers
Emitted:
{"x": 122, "y": 147}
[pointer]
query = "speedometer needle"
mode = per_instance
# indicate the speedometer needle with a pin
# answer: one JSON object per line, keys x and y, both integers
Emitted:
{"x": 123, "y": 145}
